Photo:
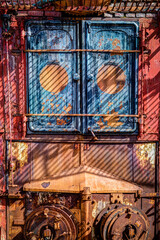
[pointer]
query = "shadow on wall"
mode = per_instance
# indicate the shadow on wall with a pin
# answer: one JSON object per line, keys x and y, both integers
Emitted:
{"x": 133, "y": 163}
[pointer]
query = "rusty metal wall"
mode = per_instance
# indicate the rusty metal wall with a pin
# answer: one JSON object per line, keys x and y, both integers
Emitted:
{"x": 31, "y": 157}
{"x": 131, "y": 162}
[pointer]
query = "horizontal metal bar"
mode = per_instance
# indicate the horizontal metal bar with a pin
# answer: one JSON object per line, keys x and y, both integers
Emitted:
{"x": 79, "y": 115}
{"x": 82, "y": 50}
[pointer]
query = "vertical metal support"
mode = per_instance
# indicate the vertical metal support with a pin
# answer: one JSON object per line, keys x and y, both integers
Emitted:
{"x": 86, "y": 214}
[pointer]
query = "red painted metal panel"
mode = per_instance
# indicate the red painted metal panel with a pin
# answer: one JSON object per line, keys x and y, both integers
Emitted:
{"x": 149, "y": 85}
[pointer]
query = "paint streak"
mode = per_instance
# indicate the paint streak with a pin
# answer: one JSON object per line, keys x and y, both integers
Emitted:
{"x": 111, "y": 79}
{"x": 110, "y": 103}
{"x": 61, "y": 121}
{"x": 113, "y": 121}
{"x": 68, "y": 108}
{"x": 115, "y": 42}
{"x": 19, "y": 154}
{"x": 53, "y": 78}
{"x": 146, "y": 154}
{"x": 42, "y": 109}
{"x": 100, "y": 42}
{"x": 100, "y": 123}
{"x": 52, "y": 106}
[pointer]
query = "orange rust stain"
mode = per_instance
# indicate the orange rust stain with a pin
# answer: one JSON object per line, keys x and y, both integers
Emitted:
{"x": 121, "y": 105}
{"x": 19, "y": 153}
{"x": 100, "y": 42}
{"x": 113, "y": 121}
{"x": 100, "y": 123}
{"x": 115, "y": 42}
{"x": 110, "y": 103}
{"x": 60, "y": 121}
{"x": 53, "y": 78}
{"x": 42, "y": 109}
{"x": 43, "y": 103}
{"x": 52, "y": 105}
{"x": 146, "y": 154}
{"x": 111, "y": 79}
{"x": 116, "y": 48}
{"x": 68, "y": 108}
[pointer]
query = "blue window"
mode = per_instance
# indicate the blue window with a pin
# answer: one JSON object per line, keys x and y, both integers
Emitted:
{"x": 77, "y": 90}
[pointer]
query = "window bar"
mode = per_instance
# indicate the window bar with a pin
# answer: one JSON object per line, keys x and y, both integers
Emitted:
{"x": 48, "y": 2}
{"x": 143, "y": 6}
{"x": 119, "y": 5}
{"x": 24, "y": 4}
{"x": 18, "y": 4}
{"x": 81, "y": 50}
{"x": 65, "y": 5}
{"x": 60, "y": 4}
{"x": 30, "y": 3}
{"x": 95, "y": 5}
{"x": 6, "y": 4}
{"x": 78, "y": 115}
{"x": 137, "y": 6}
{"x": 149, "y": 6}
{"x": 156, "y": 5}
{"x": 130, "y": 9}
{"x": 42, "y": 3}
{"x": 90, "y": 3}
{"x": 36, "y": 3}
{"x": 12, "y": 3}
{"x": 113, "y": 5}
{"x": 125, "y": 6}
{"x": 102, "y": 4}
{"x": 107, "y": 4}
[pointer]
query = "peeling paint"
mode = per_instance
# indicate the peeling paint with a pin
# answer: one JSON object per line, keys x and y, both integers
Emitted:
{"x": 111, "y": 79}
{"x": 68, "y": 108}
{"x": 146, "y": 154}
{"x": 19, "y": 154}
{"x": 61, "y": 121}
{"x": 53, "y": 78}
{"x": 113, "y": 121}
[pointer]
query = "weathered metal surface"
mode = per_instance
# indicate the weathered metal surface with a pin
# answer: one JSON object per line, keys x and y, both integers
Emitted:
{"x": 84, "y": 6}
{"x": 34, "y": 161}
{"x": 3, "y": 219}
{"x": 49, "y": 222}
{"x": 122, "y": 222}
{"x": 112, "y": 76}
{"x": 47, "y": 92}
{"x": 75, "y": 184}
{"x": 149, "y": 87}
{"x": 136, "y": 163}
{"x": 112, "y": 86}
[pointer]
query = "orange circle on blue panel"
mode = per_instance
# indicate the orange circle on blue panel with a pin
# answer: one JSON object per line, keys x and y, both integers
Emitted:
{"x": 111, "y": 79}
{"x": 53, "y": 78}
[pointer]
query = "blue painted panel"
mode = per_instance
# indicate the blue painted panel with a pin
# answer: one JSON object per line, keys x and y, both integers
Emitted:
{"x": 52, "y": 89}
{"x": 111, "y": 79}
